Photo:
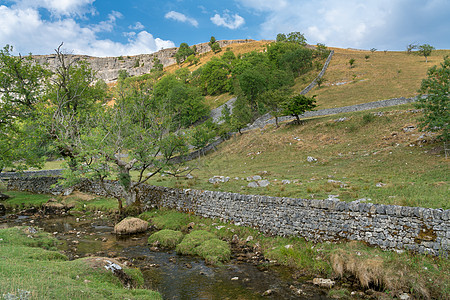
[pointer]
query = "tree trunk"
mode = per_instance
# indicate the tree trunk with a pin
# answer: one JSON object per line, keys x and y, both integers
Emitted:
{"x": 276, "y": 121}
{"x": 298, "y": 119}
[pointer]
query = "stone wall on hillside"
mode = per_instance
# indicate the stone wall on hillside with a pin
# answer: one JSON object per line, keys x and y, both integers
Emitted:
{"x": 108, "y": 68}
{"x": 423, "y": 230}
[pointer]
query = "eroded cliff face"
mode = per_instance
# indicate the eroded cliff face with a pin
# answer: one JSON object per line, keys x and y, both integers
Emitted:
{"x": 108, "y": 68}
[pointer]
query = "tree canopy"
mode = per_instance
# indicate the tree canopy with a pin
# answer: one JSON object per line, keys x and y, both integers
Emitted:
{"x": 435, "y": 99}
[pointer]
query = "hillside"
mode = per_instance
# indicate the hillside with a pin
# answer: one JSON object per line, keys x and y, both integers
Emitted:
{"x": 377, "y": 156}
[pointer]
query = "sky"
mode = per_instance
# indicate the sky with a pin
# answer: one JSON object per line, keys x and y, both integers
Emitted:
{"x": 131, "y": 27}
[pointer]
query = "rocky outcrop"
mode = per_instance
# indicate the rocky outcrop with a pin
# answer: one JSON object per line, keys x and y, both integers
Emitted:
{"x": 108, "y": 68}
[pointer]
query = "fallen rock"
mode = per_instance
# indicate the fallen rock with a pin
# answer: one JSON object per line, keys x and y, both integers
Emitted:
{"x": 311, "y": 159}
{"x": 217, "y": 179}
{"x": 131, "y": 226}
{"x": 285, "y": 181}
{"x": 253, "y": 184}
{"x": 263, "y": 183}
{"x": 267, "y": 293}
{"x": 325, "y": 283}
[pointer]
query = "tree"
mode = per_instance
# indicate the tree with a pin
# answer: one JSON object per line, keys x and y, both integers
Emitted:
{"x": 70, "y": 98}
{"x": 184, "y": 51}
{"x": 215, "y": 47}
{"x": 214, "y": 78}
{"x": 425, "y": 50}
{"x": 281, "y": 37}
{"x": 351, "y": 62}
{"x": 21, "y": 87}
{"x": 435, "y": 99}
{"x": 410, "y": 48}
{"x": 297, "y": 105}
{"x": 274, "y": 100}
{"x": 297, "y": 37}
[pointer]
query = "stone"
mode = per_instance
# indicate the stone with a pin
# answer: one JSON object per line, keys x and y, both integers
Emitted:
{"x": 217, "y": 179}
{"x": 253, "y": 184}
{"x": 263, "y": 183}
{"x": 285, "y": 181}
{"x": 404, "y": 296}
{"x": 311, "y": 159}
{"x": 380, "y": 184}
{"x": 267, "y": 293}
{"x": 325, "y": 283}
{"x": 189, "y": 176}
{"x": 235, "y": 278}
{"x": 131, "y": 226}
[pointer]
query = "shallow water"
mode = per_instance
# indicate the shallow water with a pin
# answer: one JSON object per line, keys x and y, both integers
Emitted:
{"x": 174, "y": 276}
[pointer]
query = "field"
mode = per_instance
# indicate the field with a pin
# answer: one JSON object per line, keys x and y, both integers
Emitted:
{"x": 378, "y": 154}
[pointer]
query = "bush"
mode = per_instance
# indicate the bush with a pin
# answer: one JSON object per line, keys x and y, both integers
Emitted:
{"x": 167, "y": 238}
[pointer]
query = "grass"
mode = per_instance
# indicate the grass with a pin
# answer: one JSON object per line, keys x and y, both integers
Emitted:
{"x": 24, "y": 199}
{"x": 40, "y": 273}
{"x": 167, "y": 238}
{"x": 383, "y": 76}
{"x": 372, "y": 154}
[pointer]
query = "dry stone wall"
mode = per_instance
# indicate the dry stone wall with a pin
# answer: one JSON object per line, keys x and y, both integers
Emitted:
{"x": 423, "y": 230}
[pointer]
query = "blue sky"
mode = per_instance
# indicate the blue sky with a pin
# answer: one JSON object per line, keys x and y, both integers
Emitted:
{"x": 130, "y": 27}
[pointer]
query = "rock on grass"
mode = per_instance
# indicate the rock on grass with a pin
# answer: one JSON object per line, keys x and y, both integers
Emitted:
{"x": 131, "y": 226}
{"x": 167, "y": 238}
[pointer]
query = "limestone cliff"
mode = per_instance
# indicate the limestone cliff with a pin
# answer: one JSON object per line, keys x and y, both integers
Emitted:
{"x": 108, "y": 68}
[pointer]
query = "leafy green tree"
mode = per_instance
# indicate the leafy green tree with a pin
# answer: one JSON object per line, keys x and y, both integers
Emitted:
{"x": 299, "y": 104}
{"x": 252, "y": 84}
{"x": 296, "y": 37}
{"x": 214, "y": 78}
{"x": 425, "y": 50}
{"x": 410, "y": 48}
{"x": 184, "y": 51}
{"x": 435, "y": 100}
{"x": 274, "y": 100}
{"x": 21, "y": 87}
{"x": 192, "y": 60}
{"x": 201, "y": 136}
{"x": 281, "y": 37}
{"x": 71, "y": 96}
{"x": 241, "y": 115}
{"x": 215, "y": 47}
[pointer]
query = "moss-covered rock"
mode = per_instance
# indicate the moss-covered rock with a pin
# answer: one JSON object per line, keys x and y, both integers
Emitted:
{"x": 214, "y": 251}
{"x": 193, "y": 240}
{"x": 167, "y": 238}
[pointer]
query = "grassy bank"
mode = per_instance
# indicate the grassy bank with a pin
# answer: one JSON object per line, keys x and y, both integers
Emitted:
{"x": 388, "y": 272}
{"x": 379, "y": 155}
{"x": 32, "y": 269}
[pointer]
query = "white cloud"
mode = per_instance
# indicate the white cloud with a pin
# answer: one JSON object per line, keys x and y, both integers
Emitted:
{"x": 59, "y": 7}
{"x": 384, "y": 24}
{"x": 231, "y": 22}
{"x": 173, "y": 15}
{"x": 108, "y": 25}
{"x": 25, "y": 29}
{"x": 137, "y": 26}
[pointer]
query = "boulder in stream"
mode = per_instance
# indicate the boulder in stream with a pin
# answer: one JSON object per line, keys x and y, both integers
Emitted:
{"x": 131, "y": 226}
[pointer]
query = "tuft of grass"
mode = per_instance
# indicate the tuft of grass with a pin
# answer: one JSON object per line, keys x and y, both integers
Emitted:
{"x": 214, "y": 251}
{"x": 24, "y": 199}
{"x": 27, "y": 269}
{"x": 168, "y": 238}
{"x": 171, "y": 220}
{"x": 193, "y": 240}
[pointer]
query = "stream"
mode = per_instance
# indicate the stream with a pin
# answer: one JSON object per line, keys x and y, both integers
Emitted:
{"x": 174, "y": 276}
